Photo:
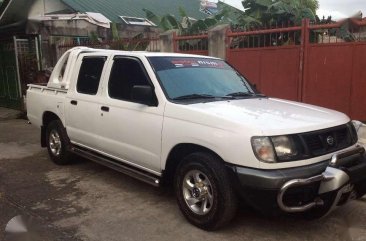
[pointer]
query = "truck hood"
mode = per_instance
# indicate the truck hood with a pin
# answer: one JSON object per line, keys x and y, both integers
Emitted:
{"x": 267, "y": 116}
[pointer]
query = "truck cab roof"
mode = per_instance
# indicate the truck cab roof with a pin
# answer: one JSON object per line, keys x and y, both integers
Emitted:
{"x": 63, "y": 69}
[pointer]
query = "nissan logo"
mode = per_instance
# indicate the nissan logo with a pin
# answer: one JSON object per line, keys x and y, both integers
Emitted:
{"x": 330, "y": 140}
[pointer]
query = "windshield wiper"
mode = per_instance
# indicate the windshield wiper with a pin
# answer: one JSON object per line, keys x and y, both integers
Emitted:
{"x": 194, "y": 96}
{"x": 243, "y": 94}
{"x": 240, "y": 94}
{"x": 201, "y": 96}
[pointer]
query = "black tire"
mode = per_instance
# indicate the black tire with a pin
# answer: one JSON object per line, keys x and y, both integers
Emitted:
{"x": 224, "y": 200}
{"x": 63, "y": 156}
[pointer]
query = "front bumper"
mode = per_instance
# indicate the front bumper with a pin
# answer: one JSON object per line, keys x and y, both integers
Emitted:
{"x": 329, "y": 183}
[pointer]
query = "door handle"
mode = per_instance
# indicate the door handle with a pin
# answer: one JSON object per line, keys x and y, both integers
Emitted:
{"x": 105, "y": 108}
{"x": 74, "y": 102}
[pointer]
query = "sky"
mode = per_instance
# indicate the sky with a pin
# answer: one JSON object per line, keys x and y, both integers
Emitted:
{"x": 337, "y": 8}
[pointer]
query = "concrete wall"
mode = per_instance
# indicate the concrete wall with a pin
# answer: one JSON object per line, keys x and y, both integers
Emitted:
{"x": 217, "y": 41}
{"x": 67, "y": 28}
{"x": 55, "y": 33}
{"x": 167, "y": 41}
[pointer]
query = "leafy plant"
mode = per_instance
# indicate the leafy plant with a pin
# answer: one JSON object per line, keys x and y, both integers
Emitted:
{"x": 115, "y": 35}
{"x": 138, "y": 42}
{"x": 166, "y": 22}
{"x": 271, "y": 12}
{"x": 260, "y": 14}
{"x": 190, "y": 26}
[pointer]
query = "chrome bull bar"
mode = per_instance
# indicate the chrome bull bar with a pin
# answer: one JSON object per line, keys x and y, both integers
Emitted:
{"x": 330, "y": 180}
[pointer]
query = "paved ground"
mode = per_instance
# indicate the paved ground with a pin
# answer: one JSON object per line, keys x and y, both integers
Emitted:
{"x": 8, "y": 114}
{"x": 86, "y": 201}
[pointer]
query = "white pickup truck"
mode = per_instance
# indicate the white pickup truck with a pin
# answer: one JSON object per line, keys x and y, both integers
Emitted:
{"x": 196, "y": 123}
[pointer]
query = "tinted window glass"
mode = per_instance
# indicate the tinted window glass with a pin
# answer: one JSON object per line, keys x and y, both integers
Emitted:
{"x": 126, "y": 73}
{"x": 184, "y": 76}
{"x": 89, "y": 75}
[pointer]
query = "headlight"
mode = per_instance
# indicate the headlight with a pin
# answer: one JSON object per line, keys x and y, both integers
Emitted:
{"x": 263, "y": 149}
{"x": 277, "y": 148}
{"x": 285, "y": 147}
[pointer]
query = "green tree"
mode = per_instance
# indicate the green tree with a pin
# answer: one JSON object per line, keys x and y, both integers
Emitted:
{"x": 166, "y": 22}
{"x": 271, "y": 12}
{"x": 169, "y": 22}
{"x": 188, "y": 26}
{"x": 313, "y": 5}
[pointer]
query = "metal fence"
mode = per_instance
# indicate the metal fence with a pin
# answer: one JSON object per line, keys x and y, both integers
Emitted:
{"x": 260, "y": 38}
{"x": 334, "y": 73}
{"x": 316, "y": 64}
{"x": 193, "y": 44}
{"x": 28, "y": 57}
{"x": 19, "y": 62}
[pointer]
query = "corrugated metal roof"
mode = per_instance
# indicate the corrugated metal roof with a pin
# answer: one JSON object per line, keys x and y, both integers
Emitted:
{"x": 133, "y": 8}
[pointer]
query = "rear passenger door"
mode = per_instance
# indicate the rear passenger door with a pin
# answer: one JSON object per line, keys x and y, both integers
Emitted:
{"x": 129, "y": 131}
{"x": 82, "y": 105}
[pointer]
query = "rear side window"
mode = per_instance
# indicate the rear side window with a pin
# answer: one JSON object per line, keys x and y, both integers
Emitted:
{"x": 89, "y": 75}
{"x": 126, "y": 73}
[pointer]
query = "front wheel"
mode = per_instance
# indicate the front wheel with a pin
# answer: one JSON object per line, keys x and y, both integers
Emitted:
{"x": 204, "y": 192}
{"x": 57, "y": 143}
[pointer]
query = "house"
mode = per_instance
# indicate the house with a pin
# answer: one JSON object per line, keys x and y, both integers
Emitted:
{"x": 358, "y": 28}
{"x": 347, "y": 30}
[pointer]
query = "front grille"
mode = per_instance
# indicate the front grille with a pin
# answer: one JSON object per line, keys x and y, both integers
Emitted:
{"x": 328, "y": 140}
{"x": 343, "y": 137}
{"x": 313, "y": 142}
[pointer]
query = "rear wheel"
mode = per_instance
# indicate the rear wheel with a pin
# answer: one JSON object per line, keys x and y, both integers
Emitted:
{"x": 58, "y": 143}
{"x": 204, "y": 192}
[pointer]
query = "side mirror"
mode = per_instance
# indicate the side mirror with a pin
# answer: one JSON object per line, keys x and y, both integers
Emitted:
{"x": 143, "y": 94}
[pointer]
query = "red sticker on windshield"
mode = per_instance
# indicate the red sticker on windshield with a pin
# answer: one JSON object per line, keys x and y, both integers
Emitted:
{"x": 197, "y": 63}
{"x": 185, "y": 63}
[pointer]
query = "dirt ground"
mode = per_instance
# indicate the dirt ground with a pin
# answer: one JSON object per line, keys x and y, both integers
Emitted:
{"x": 86, "y": 201}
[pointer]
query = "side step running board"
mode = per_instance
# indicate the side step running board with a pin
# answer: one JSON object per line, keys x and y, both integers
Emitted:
{"x": 118, "y": 166}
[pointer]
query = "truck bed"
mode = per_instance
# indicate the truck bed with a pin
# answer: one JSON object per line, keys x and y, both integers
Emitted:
{"x": 41, "y": 98}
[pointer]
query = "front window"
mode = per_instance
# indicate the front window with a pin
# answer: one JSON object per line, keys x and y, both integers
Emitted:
{"x": 188, "y": 78}
{"x": 126, "y": 73}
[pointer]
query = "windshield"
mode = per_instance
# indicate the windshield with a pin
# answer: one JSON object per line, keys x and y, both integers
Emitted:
{"x": 199, "y": 78}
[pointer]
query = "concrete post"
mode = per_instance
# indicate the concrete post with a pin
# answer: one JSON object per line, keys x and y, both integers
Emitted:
{"x": 167, "y": 41}
{"x": 217, "y": 41}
